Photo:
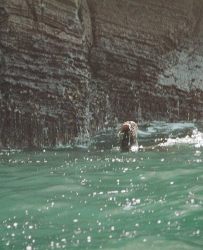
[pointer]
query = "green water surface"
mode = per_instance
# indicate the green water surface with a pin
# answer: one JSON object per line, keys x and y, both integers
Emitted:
{"x": 102, "y": 199}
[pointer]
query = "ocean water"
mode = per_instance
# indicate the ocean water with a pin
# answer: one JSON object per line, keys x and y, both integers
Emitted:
{"x": 96, "y": 197}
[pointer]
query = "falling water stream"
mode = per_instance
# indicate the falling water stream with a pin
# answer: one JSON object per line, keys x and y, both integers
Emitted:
{"x": 97, "y": 197}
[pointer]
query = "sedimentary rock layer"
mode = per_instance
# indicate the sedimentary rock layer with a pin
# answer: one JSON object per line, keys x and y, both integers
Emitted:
{"x": 44, "y": 72}
{"x": 138, "y": 49}
{"x": 71, "y": 67}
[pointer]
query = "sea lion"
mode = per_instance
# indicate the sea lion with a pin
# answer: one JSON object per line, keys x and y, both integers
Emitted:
{"x": 128, "y": 135}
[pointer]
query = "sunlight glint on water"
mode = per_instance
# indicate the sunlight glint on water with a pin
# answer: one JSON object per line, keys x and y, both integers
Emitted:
{"x": 100, "y": 198}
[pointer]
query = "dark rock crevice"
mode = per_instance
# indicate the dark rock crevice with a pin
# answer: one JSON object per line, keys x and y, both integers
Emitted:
{"x": 31, "y": 8}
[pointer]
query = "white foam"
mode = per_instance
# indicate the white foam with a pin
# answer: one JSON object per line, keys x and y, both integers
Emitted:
{"x": 164, "y": 128}
{"x": 134, "y": 148}
{"x": 195, "y": 139}
{"x": 63, "y": 146}
{"x": 169, "y": 127}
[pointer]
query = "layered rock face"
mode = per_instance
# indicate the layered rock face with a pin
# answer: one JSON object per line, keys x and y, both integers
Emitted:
{"x": 72, "y": 67}
{"x": 138, "y": 55}
{"x": 44, "y": 72}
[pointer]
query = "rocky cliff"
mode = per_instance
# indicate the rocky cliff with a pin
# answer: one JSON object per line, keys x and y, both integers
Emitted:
{"x": 71, "y": 67}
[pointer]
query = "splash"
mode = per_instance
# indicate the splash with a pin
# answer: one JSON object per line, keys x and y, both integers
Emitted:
{"x": 164, "y": 128}
{"x": 134, "y": 148}
{"x": 195, "y": 139}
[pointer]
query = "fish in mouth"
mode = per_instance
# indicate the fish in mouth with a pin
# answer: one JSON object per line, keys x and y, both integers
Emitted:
{"x": 128, "y": 135}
